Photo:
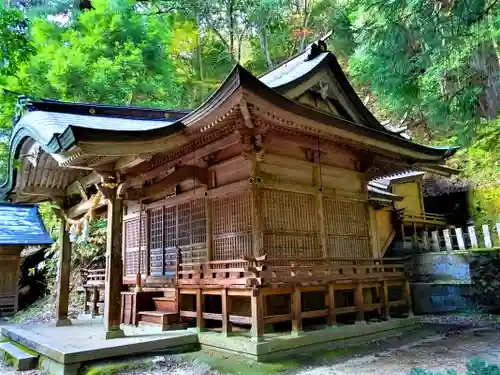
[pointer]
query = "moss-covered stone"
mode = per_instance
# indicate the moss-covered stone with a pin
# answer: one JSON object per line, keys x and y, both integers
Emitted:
{"x": 116, "y": 367}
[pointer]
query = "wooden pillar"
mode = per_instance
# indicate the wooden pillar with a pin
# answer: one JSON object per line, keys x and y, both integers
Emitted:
{"x": 385, "y": 300}
{"x": 359, "y": 299}
{"x": 208, "y": 214}
{"x": 296, "y": 311}
{"x": 372, "y": 217}
{"x": 407, "y": 296}
{"x": 114, "y": 263}
{"x": 200, "y": 321}
{"x": 332, "y": 316}
{"x": 226, "y": 310}
{"x": 320, "y": 210}
{"x": 257, "y": 235}
{"x": 64, "y": 269}
{"x": 257, "y": 302}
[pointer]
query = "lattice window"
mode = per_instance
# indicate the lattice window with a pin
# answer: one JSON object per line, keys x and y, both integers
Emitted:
{"x": 171, "y": 226}
{"x": 131, "y": 246}
{"x": 232, "y": 226}
{"x": 198, "y": 221}
{"x": 347, "y": 226}
{"x": 292, "y": 246}
{"x": 232, "y": 214}
{"x": 184, "y": 224}
{"x": 232, "y": 247}
{"x": 132, "y": 234}
{"x": 156, "y": 227}
{"x": 348, "y": 247}
{"x": 345, "y": 217}
{"x": 288, "y": 212}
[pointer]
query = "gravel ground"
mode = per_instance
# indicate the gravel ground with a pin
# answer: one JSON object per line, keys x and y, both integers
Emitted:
{"x": 446, "y": 352}
{"x": 448, "y": 348}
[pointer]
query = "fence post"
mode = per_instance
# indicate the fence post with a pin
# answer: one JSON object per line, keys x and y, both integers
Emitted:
{"x": 435, "y": 240}
{"x": 487, "y": 237}
{"x": 447, "y": 239}
{"x": 472, "y": 237}
{"x": 425, "y": 239}
{"x": 460, "y": 238}
{"x": 498, "y": 232}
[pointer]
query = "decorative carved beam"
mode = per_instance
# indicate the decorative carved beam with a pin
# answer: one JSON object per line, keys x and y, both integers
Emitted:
{"x": 174, "y": 178}
{"x": 84, "y": 182}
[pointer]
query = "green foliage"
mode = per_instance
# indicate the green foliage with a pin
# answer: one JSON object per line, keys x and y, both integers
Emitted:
{"x": 474, "y": 367}
{"x": 480, "y": 162}
{"x": 15, "y": 44}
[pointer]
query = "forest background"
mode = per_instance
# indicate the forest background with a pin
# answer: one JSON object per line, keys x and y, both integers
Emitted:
{"x": 429, "y": 66}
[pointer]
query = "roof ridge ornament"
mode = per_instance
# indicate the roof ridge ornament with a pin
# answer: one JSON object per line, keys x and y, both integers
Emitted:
{"x": 317, "y": 49}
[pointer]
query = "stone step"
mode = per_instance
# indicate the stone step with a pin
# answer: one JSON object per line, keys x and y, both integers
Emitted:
{"x": 17, "y": 357}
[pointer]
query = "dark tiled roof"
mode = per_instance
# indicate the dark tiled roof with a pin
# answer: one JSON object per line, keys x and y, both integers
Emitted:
{"x": 21, "y": 224}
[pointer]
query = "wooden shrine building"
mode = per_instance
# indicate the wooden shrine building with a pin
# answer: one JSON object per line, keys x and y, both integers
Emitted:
{"x": 252, "y": 209}
{"x": 20, "y": 226}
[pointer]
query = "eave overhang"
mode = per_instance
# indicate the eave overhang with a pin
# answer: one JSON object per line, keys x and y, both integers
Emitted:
{"x": 240, "y": 86}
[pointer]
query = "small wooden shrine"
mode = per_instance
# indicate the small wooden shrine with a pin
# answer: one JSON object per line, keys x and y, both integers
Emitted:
{"x": 251, "y": 210}
{"x": 20, "y": 227}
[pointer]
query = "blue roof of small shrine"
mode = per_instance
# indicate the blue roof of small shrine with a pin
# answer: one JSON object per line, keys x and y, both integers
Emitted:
{"x": 21, "y": 224}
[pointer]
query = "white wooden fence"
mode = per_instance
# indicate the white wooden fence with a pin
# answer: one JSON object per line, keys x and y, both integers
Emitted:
{"x": 484, "y": 238}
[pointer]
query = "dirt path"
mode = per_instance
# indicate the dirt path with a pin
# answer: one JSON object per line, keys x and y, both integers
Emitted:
{"x": 435, "y": 354}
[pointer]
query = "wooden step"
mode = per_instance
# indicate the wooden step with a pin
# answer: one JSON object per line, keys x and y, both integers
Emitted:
{"x": 163, "y": 319}
{"x": 20, "y": 358}
{"x": 165, "y": 304}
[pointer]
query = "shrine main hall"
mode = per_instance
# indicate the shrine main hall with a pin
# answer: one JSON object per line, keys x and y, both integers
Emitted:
{"x": 250, "y": 216}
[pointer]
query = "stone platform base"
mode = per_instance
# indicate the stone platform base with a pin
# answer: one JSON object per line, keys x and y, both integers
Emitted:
{"x": 64, "y": 349}
{"x": 276, "y": 346}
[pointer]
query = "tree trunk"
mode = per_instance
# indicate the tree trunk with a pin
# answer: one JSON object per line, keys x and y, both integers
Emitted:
{"x": 264, "y": 44}
{"x": 231, "y": 27}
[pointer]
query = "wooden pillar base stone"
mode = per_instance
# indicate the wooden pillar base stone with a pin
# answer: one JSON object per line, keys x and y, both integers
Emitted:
{"x": 63, "y": 322}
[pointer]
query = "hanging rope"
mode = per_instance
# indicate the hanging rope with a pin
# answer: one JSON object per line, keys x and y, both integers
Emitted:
{"x": 89, "y": 215}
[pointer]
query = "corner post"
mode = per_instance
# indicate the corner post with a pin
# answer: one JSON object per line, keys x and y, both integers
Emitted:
{"x": 226, "y": 311}
{"x": 114, "y": 263}
{"x": 63, "y": 275}
{"x": 359, "y": 299}
{"x": 296, "y": 311}
{"x": 200, "y": 321}
{"x": 385, "y": 300}
{"x": 407, "y": 294}
{"x": 330, "y": 299}
{"x": 257, "y": 315}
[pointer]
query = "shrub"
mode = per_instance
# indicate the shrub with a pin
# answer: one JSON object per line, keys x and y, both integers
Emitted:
{"x": 474, "y": 367}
